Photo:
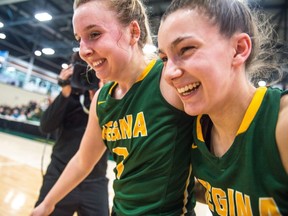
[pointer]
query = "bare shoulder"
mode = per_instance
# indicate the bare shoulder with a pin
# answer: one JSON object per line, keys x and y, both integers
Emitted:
{"x": 170, "y": 94}
{"x": 94, "y": 101}
{"x": 92, "y": 126}
{"x": 92, "y": 145}
{"x": 281, "y": 131}
{"x": 93, "y": 118}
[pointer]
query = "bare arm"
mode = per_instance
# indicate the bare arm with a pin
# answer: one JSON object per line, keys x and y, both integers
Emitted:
{"x": 281, "y": 132}
{"x": 90, "y": 151}
{"x": 170, "y": 94}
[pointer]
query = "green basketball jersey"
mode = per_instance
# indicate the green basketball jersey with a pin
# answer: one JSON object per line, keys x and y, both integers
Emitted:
{"x": 249, "y": 179}
{"x": 150, "y": 141}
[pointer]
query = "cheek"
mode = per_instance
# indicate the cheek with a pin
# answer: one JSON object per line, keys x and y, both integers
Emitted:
{"x": 204, "y": 70}
{"x": 119, "y": 37}
{"x": 165, "y": 73}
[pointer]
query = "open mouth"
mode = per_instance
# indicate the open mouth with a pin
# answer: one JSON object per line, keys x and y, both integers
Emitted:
{"x": 186, "y": 90}
{"x": 97, "y": 63}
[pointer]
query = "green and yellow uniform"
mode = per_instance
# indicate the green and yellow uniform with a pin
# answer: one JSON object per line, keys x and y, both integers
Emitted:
{"x": 150, "y": 141}
{"x": 249, "y": 179}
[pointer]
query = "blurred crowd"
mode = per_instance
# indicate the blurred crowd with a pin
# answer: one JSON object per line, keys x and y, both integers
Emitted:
{"x": 29, "y": 112}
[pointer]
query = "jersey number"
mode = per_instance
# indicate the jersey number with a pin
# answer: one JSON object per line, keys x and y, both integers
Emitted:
{"x": 120, "y": 151}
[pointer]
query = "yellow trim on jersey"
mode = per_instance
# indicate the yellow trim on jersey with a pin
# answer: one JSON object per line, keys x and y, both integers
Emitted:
{"x": 146, "y": 70}
{"x": 101, "y": 102}
{"x": 249, "y": 115}
{"x": 186, "y": 192}
{"x": 252, "y": 109}
{"x": 142, "y": 75}
{"x": 113, "y": 86}
{"x": 199, "y": 129}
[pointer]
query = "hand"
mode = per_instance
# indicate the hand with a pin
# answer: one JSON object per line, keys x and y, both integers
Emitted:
{"x": 65, "y": 74}
{"x": 42, "y": 210}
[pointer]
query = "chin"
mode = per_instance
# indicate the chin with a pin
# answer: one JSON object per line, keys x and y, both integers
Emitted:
{"x": 192, "y": 110}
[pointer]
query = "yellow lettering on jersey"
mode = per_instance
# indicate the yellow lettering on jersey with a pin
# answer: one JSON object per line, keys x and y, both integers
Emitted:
{"x": 115, "y": 132}
{"x": 231, "y": 202}
{"x": 243, "y": 207}
{"x": 120, "y": 151}
{"x": 207, "y": 194}
{"x": 226, "y": 203}
{"x": 123, "y": 128}
{"x": 126, "y": 127}
{"x": 105, "y": 131}
{"x": 108, "y": 131}
{"x": 220, "y": 201}
{"x": 140, "y": 126}
{"x": 268, "y": 207}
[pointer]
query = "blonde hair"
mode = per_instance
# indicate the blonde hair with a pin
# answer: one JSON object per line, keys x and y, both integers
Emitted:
{"x": 128, "y": 11}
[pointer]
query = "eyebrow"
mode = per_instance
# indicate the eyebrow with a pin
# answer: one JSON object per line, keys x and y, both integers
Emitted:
{"x": 87, "y": 28}
{"x": 176, "y": 42}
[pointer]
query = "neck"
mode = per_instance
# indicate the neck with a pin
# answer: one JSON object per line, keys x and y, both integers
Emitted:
{"x": 227, "y": 121}
{"x": 129, "y": 78}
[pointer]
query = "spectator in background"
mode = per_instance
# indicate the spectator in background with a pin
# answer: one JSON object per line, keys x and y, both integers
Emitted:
{"x": 22, "y": 115}
{"x": 68, "y": 114}
{"x": 31, "y": 112}
{"x": 15, "y": 113}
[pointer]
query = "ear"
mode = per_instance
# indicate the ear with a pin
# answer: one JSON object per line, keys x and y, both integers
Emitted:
{"x": 135, "y": 32}
{"x": 242, "y": 46}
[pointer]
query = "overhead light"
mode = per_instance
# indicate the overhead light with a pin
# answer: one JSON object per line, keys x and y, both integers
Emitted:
{"x": 43, "y": 16}
{"x": 76, "y": 49}
{"x": 48, "y": 51}
{"x": 38, "y": 53}
{"x": 65, "y": 65}
{"x": 2, "y": 36}
{"x": 262, "y": 83}
{"x": 1, "y": 24}
{"x": 10, "y": 69}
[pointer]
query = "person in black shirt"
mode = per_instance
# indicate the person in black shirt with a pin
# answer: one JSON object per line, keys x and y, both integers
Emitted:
{"x": 68, "y": 114}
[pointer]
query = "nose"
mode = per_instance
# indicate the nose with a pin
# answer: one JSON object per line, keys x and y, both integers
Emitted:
{"x": 172, "y": 71}
{"x": 84, "y": 50}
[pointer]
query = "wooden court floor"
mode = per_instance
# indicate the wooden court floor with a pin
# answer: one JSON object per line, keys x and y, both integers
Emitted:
{"x": 20, "y": 173}
{"x": 21, "y": 160}
{"x": 19, "y": 185}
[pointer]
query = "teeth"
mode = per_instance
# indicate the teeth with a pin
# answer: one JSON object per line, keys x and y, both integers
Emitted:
{"x": 190, "y": 87}
{"x": 95, "y": 64}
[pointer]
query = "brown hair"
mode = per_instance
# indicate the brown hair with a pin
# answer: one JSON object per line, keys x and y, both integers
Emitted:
{"x": 233, "y": 16}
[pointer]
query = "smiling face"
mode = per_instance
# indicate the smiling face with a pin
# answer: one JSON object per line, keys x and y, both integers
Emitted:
{"x": 197, "y": 59}
{"x": 104, "y": 42}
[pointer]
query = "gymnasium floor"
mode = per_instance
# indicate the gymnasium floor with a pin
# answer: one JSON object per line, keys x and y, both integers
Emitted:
{"x": 20, "y": 175}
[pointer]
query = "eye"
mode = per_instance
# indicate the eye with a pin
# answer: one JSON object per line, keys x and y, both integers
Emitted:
{"x": 185, "y": 49}
{"x": 94, "y": 35}
{"x": 163, "y": 58}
